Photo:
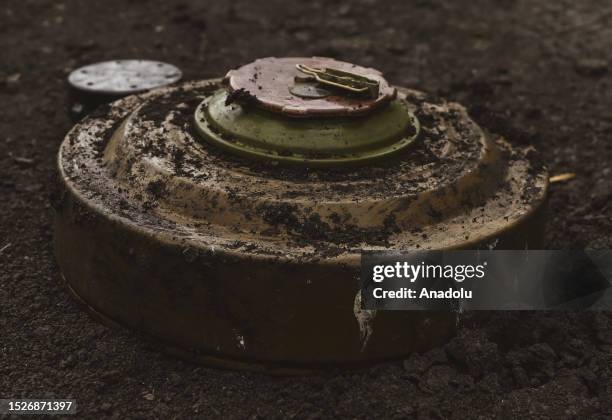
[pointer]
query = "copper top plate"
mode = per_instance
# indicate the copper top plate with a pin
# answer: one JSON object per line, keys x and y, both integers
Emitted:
{"x": 269, "y": 80}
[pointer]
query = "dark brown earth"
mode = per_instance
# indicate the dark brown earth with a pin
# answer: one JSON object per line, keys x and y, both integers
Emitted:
{"x": 536, "y": 71}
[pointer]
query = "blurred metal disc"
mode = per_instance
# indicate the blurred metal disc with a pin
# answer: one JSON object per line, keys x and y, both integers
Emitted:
{"x": 123, "y": 77}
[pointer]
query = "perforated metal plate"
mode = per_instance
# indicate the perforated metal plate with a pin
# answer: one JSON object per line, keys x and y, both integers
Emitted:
{"x": 123, "y": 77}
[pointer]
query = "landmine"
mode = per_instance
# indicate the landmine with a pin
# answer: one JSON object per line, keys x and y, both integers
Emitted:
{"x": 225, "y": 218}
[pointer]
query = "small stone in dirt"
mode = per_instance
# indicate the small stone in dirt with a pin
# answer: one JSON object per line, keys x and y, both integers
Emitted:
{"x": 592, "y": 67}
{"x": 437, "y": 379}
{"x": 11, "y": 83}
{"x": 489, "y": 384}
{"x": 463, "y": 383}
{"x": 474, "y": 351}
{"x": 521, "y": 379}
{"x": 148, "y": 396}
{"x": 23, "y": 161}
{"x": 344, "y": 9}
{"x": 603, "y": 329}
{"x": 543, "y": 351}
{"x": 12, "y": 80}
{"x": 77, "y": 108}
{"x": 416, "y": 363}
{"x": 43, "y": 330}
{"x": 436, "y": 356}
{"x": 67, "y": 362}
{"x": 590, "y": 380}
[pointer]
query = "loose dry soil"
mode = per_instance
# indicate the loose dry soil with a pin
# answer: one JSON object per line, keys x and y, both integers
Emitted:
{"x": 536, "y": 71}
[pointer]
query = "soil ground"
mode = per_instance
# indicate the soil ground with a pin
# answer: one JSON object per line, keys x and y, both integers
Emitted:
{"x": 537, "y": 71}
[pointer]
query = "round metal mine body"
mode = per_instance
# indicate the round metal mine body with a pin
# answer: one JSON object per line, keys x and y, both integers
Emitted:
{"x": 254, "y": 263}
